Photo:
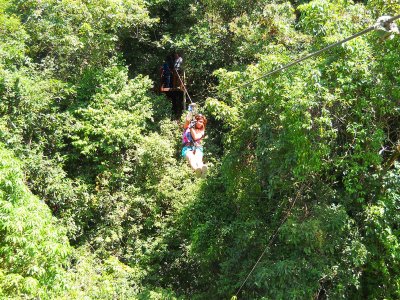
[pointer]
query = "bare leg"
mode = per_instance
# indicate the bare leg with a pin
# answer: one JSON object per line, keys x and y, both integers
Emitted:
{"x": 192, "y": 160}
{"x": 199, "y": 159}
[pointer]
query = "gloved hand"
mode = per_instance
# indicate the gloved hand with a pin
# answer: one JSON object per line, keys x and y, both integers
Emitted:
{"x": 192, "y": 124}
{"x": 192, "y": 107}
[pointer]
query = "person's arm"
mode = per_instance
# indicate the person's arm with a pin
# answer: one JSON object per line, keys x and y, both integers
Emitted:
{"x": 178, "y": 63}
{"x": 196, "y": 135}
{"x": 187, "y": 120}
{"x": 186, "y": 124}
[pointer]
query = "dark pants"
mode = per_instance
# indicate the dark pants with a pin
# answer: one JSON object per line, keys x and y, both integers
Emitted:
{"x": 167, "y": 81}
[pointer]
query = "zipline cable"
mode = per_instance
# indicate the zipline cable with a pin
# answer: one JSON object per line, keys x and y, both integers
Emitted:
{"x": 313, "y": 54}
{"x": 373, "y": 27}
{"x": 273, "y": 236}
{"x": 271, "y": 239}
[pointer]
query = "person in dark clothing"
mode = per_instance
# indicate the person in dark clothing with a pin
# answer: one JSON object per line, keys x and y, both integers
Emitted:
{"x": 166, "y": 74}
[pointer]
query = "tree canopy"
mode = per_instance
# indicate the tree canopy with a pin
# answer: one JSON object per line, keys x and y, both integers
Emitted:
{"x": 96, "y": 202}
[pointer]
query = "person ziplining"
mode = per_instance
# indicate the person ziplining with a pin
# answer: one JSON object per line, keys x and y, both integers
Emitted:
{"x": 194, "y": 132}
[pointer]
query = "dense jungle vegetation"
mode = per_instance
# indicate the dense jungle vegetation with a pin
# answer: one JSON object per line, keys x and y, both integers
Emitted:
{"x": 96, "y": 203}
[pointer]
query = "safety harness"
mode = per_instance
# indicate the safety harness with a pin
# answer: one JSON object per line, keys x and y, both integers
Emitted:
{"x": 187, "y": 139}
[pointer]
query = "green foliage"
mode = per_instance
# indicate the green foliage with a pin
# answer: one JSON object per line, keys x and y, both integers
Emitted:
{"x": 75, "y": 35}
{"x": 68, "y": 199}
{"x": 100, "y": 278}
{"x": 33, "y": 248}
{"x": 382, "y": 7}
{"x": 157, "y": 294}
{"x": 36, "y": 259}
{"x": 98, "y": 148}
{"x": 14, "y": 37}
{"x": 382, "y": 235}
{"x": 232, "y": 34}
{"x": 29, "y": 106}
{"x": 332, "y": 19}
{"x": 321, "y": 252}
{"x": 112, "y": 121}
{"x": 302, "y": 127}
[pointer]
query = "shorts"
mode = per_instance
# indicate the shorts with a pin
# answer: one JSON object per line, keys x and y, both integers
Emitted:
{"x": 191, "y": 148}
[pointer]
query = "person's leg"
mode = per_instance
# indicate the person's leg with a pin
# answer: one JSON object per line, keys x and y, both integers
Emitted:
{"x": 168, "y": 81}
{"x": 194, "y": 163}
{"x": 174, "y": 79}
{"x": 198, "y": 157}
{"x": 200, "y": 164}
{"x": 192, "y": 160}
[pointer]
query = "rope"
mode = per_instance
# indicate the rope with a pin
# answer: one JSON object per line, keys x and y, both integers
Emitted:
{"x": 271, "y": 239}
{"x": 184, "y": 87}
{"x": 313, "y": 54}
